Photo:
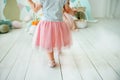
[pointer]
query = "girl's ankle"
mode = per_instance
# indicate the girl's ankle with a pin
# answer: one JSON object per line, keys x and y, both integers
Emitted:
{"x": 51, "y": 63}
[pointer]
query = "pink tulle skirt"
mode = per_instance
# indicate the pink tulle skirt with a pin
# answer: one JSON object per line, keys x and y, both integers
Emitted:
{"x": 52, "y": 35}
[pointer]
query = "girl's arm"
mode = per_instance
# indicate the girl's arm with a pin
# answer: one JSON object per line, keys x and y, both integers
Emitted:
{"x": 68, "y": 9}
{"x": 35, "y": 6}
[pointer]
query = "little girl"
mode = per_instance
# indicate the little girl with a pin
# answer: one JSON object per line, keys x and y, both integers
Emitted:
{"x": 52, "y": 32}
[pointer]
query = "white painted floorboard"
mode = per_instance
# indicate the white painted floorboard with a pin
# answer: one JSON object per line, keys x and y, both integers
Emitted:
{"x": 94, "y": 55}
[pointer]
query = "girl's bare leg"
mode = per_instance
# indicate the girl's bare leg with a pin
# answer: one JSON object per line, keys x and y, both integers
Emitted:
{"x": 51, "y": 59}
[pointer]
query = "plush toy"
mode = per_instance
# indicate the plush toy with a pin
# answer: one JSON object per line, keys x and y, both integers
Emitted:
{"x": 4, "y": 28}
{"x": 35, "y": 22}
{"x": 31, "y": 25}
{"x": 80, "y": 13}
{"x": 81, "y": 23}
{"x": 16, "y": 24}
{"x": 7, "y": 22}
{"x": 6, "y": 25}
{"x": 81, "y": 18}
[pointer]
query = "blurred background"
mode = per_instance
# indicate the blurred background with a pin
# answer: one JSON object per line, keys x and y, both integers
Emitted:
{"x": 19, "y": 9}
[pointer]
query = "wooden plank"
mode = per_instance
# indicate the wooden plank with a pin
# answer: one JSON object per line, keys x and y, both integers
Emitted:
{"x": 113, "y": 62}
{"x": 98, "y": 62}
{"x": 7, "y": 42}
{"x": 9, "y": 61}
{"x": 106, "y": 35}
{"x": 39, "y": 70}
{"x": 85, "y": 67}
{"x": 110, "y": 53}
{"x": 84, "y": 61}
{"x": 68, "y": 67}
{"x": 112, "y": 38}
{"x": 20, "y": 67}
{"x": 9, "y": 33}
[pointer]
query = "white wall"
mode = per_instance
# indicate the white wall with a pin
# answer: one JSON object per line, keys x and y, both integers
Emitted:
{"x": 105, "y": 8}
{"x": 98, "y": 7}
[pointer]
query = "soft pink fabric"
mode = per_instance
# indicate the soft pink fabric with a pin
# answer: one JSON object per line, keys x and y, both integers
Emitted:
{"x": 52, "y": 35}
{"x": 67, "y": 18}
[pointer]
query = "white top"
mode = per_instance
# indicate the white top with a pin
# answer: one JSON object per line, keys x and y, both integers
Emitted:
{"x": 52, "y": 9}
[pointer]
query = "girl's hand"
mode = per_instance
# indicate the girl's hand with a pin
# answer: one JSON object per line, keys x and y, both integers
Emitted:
{"x": 74, "y": 11}
{"x": 69, "y": 10}
{"x": 35, "y": 6}
{"x": 29, "y": 0}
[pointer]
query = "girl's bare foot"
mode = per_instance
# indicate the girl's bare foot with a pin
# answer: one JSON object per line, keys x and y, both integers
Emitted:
{"x": 52, "y": 64}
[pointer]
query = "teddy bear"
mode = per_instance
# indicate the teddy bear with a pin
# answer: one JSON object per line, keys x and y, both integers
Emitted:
{"x": 81, "y": 21}
{"x": 4, "y": 28}
{"x": 7, "y": 25}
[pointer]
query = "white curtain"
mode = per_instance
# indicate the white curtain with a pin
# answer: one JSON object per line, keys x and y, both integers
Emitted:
{"x": 105, "y": 8}
{"x": 113, "y": 8}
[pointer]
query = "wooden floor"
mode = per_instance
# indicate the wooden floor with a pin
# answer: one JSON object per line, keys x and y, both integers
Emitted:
{"x": 94, "y": 55}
